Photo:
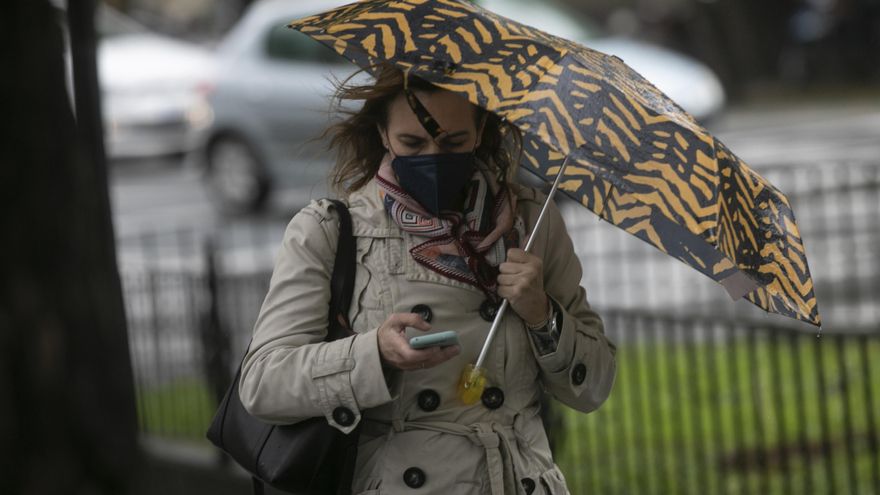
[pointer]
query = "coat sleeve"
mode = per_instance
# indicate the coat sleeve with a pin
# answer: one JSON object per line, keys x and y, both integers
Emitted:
{"x": 581, "y": 371}
{"x": 290, "y": 373}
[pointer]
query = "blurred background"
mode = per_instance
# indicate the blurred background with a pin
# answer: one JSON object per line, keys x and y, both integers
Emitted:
{"x": 211, "y": 111}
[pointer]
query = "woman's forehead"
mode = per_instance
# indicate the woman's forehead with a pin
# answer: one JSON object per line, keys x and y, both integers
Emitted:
{"x": 450, "y": 110}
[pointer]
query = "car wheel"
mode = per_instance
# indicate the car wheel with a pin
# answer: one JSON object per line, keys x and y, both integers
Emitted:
{"x": 236, "y": 176}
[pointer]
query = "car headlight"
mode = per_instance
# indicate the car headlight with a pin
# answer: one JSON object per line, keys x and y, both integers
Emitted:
{"x": 201, "y": 114}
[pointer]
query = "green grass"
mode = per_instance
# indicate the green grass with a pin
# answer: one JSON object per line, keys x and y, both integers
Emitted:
{"x": 181, "y": 409}
{"x": 696, "y": 418}
{"x": 742, "y": 417}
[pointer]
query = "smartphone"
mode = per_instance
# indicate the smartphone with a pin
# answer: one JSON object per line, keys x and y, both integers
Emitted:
{"x": 442, "y": 339}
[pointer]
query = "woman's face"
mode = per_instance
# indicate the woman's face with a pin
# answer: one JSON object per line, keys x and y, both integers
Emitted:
{"x": 454, "y": 114}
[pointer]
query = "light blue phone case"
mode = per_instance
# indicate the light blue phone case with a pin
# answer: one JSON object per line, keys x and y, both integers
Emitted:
{"x": 442, "y": 339}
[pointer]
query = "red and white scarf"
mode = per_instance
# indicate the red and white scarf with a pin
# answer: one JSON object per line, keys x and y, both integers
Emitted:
{"x": 467, "y": 246}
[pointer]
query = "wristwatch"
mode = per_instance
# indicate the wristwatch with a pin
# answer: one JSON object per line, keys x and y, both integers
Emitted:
{"x": 545, "y": 335}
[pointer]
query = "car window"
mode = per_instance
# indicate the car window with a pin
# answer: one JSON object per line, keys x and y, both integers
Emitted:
{"x": 110, "y": 22}
{"x": 285, "y": 44}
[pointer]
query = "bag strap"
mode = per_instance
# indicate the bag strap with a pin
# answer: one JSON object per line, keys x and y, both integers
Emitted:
{"x": 257, "y": 485}
{"x": 342, "y": 279}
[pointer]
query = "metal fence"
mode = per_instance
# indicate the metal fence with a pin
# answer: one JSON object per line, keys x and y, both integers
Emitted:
{"x": 711, "y": 396}
{"x": 191, "y": 300}
{"x": 707, "y": 405}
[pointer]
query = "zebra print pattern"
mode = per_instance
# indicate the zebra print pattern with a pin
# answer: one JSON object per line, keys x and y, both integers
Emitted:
{"x": 635, "y": 157}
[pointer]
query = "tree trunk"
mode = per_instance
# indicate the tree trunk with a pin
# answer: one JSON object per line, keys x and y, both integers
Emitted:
{"x": 67, "y": 411}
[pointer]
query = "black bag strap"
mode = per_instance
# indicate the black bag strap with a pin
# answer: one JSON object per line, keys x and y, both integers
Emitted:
{"x": 342, "y": 280}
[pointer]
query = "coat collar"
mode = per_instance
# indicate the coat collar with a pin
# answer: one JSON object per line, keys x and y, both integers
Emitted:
{"x": 368, "y": 214}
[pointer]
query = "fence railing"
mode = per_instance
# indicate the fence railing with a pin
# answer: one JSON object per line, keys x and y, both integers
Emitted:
{"x": 705, "y": 405}
{"x": 711, "y": 396}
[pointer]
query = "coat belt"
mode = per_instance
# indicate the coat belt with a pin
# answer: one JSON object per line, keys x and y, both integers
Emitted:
{"x": 490, "y": 437}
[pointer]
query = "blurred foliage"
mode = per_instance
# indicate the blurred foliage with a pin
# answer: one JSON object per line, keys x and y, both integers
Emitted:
{"x": 797, "y": 42}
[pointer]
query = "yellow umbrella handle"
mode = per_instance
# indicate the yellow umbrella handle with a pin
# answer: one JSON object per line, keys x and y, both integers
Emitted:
{"x": 471, "y": 384}
{"x": 473, "y": 376}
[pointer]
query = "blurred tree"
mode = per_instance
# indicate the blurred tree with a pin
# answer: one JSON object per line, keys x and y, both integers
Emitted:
{"x": 121, "y": 5}
{"x": 739, "y": 39}
{"x": 748, "y": 41}
{"x": 243, "y": 4}
{"x": 67, "y": 411}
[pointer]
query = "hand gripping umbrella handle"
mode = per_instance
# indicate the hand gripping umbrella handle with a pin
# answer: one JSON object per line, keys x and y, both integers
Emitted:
{"x": 503, "y": 308}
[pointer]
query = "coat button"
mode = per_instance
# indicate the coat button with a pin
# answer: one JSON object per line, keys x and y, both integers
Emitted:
{"x": 528, "y": 485}
{"x": 428, "y": 400}
{"x": 488, "y": 310}
{"x": 343, "y": 416}
{"x": 424, "y": 311}
{"x": 578, "y": 374}
{"x": 414, "y": 477}
{"x": 493, "y": 397}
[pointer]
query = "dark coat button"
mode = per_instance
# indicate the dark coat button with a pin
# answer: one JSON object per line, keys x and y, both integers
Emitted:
{"x": 578, "y": 374}
{"x": 424, "y": 311}
{"x": 488, "y": 310}
{"x": 528, "y": 485}
{"x": 493, "y": 397}
{"x": 343, "y": 416}
{"x": 414, "y": 477}
{"x": 428, "y": 400}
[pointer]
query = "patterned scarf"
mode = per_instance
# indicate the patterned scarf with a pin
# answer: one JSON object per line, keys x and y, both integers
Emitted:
{"x": 467, "y": 246}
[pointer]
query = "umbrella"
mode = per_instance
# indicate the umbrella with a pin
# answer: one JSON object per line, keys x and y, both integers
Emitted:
{"x": 612, "y": 140}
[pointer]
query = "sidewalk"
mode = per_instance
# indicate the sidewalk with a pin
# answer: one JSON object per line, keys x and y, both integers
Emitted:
{"x": 177, "y": 468}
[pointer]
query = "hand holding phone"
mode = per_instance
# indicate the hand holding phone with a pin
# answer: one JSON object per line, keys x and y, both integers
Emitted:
{"x": 441, "y": 339}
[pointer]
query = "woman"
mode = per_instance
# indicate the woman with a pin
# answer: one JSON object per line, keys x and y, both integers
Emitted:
{"x": 439, "y": 234}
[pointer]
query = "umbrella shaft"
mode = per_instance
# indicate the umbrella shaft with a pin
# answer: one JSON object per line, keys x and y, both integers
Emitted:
{"x": 544, "y": 208}
{"x": 503, "y": 308}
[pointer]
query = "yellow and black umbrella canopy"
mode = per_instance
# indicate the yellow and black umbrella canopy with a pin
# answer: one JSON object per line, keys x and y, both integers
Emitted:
{"x": 635, "y": 157}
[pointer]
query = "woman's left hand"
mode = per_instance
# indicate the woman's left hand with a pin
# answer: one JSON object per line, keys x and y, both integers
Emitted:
{"x": 521, "y": 282}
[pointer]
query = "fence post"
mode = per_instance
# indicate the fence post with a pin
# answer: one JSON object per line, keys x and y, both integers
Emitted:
{"x": 214, "y": 339}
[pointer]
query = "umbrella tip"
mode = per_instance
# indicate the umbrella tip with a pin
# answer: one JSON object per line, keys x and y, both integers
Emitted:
{"x": 819, "y": 333}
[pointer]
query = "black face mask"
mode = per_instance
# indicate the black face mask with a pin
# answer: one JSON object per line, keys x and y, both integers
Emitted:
{"x": 435, "y": 181}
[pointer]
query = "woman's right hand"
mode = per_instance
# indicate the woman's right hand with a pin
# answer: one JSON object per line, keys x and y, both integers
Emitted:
{"x": 395, "y": 350}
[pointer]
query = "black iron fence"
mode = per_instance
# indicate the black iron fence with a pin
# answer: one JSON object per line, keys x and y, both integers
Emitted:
{"x": 707, "y": 405}
{"x": 191, "y": 300}
{"x": 711, "y": 396}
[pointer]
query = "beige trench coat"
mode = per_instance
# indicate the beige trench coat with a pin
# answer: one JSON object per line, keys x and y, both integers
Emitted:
{"x": 417, "y": 437}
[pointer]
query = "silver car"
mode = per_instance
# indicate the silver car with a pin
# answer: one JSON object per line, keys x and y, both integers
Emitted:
{"x": 149, "y": 84}
{"x": 269, "y": 98}
{"x": 267, "y": 105}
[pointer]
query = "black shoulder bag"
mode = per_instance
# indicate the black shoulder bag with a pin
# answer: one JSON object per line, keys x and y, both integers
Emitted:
{"x": 309, "y": 457}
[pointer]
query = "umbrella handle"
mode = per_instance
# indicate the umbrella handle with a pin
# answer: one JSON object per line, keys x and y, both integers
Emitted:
{"x": 503, "y": 308}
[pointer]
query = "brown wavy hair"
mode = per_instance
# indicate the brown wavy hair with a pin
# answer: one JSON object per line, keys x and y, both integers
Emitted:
{"x": 358, "y": 145}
